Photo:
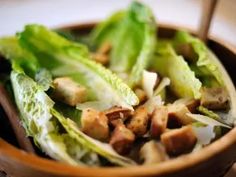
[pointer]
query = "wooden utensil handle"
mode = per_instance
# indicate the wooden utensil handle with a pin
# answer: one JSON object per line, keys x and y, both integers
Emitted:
{"x": 207, "y": 13}
{"x": 14, "y": 119}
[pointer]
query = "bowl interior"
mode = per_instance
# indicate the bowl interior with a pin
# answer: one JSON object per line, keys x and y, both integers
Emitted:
{"x": 15, "y": 161}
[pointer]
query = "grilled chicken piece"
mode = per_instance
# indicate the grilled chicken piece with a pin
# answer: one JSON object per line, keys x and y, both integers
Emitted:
{"x": 95, "y": 124}
{"x": 179, "y": 141}
{"x": 122, "y": 139}
{"x": 152, "y": 153}
{"x": 68, "y": 91}
{"x": 214, "y": 98}
{"x": 177, "y": 115}
{"x": 139, "y": 121}
{"x": 159, "y": 121}
{"x": 142, "y": 96}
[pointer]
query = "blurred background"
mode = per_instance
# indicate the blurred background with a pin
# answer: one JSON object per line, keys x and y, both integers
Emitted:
{"x": 14, "y": 14}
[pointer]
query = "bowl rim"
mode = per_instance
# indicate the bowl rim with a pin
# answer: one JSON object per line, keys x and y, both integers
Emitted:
{"x": 11, "y": 154}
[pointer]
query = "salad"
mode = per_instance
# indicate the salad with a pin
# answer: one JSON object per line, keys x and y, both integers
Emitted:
{"x": 118, "y": 95}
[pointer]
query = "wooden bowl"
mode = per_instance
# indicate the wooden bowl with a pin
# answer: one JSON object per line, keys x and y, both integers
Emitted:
{"x": 213, "y": 161}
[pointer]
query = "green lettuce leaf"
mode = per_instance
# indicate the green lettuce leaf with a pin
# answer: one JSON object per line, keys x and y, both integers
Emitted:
{"x": 34, "y": 106}
{"x": 204, "y": 66}
{"x": 169, "y": 64}
{"x": 131, "y": 51}
{"x": 105, "y": 31}
{"x": 208, "y": 112}
{"x": 209, "y": 70}
{"x": 20, "y": 58}
{"x": 44, "y": 78}
{"x": 65, "y": 58}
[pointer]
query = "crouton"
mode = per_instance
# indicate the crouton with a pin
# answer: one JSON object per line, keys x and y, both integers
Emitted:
{"x": 159, "y": 121}
{"x": 117, "y": 112}
{"x": 117, "y": 115}
{"x": 105, "y": 48}
{"x": 122, "y": 139}
{"x": 139, "y": 121}
{"x": 68, "y": 91}
{"x": 152, "y": 153}
{"x": 142, "y": 96}
{"x": 94, "y": 124}
{"x": 190, "y": 103}
{"x": 100, "y": 58}
{"x": 116, "y": 122}
{"x": 179, "y": 141}
{"x": 214, "y": 98}
{"x": 177, "y": 115}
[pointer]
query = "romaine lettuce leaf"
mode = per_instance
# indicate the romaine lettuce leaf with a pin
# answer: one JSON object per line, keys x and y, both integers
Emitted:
{"x": 205, "y": 67}
{"x": 44, "y": 78}
{"x": 146, "y": 19}
{"x": 34, "y": 106}
{"x": 58, "y": 54}
{"x": 169, "y": 64}
{"x": 105, "y": 31}
{"x": 20, "y": 58}
{"x": 132, "y": 34}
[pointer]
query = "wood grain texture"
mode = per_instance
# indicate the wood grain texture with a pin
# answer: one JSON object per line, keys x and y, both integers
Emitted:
{"x": 206, "y": 17}
{"x": 14, "y": 120}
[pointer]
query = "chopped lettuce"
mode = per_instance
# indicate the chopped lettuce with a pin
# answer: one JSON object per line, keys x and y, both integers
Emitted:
{"x": 66, "y": 58}
{"x": 204, "y": 66}
{"x": 169, "y": 64}
{"x": 131, "y": 51}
